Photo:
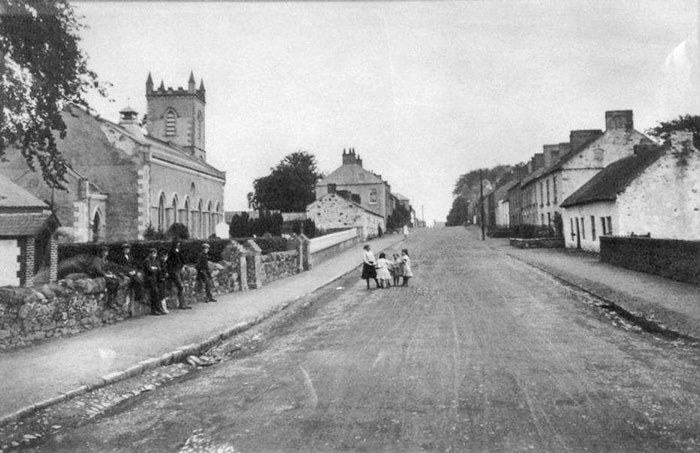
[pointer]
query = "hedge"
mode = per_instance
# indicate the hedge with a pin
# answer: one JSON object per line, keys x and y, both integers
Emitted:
{"x": 140, "y": 249}
{"x": 669, "y": 258}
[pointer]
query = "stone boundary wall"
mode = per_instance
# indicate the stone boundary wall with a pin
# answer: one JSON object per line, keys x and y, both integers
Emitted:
{"x": 279, "y": 265}
{"x": 68, "y": 307}
{"x": 669, "y": 258}
{"x": 544, "y": 243}
{"x": 332, "y": 245}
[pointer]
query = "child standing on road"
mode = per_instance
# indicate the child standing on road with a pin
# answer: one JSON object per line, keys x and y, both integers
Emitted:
{"x": 406, "y": 266}
{"x": 383, "y": 274}
{"x": 396, "y": 269}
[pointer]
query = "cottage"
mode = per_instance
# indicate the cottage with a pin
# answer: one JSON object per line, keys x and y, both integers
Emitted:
{"x": 332, "y": 211}
{"x": 652, "y": 192}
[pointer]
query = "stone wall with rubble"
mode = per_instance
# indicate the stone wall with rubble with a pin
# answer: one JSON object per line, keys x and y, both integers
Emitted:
{"x": 279, "y": 265}
{"x": 71, "y": 306}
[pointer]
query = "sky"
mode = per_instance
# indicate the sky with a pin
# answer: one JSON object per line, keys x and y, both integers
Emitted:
{"x": 423, "y": 91}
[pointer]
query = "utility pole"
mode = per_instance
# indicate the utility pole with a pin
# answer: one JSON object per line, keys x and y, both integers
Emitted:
{"x": 481, "y": 205}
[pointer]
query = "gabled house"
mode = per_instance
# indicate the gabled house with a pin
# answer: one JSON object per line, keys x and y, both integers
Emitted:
{"x": 26, "y": 236}
{"x": 589, "y": 152}
{"x": 653, "y": 192}
{"x": 363, "y": 187}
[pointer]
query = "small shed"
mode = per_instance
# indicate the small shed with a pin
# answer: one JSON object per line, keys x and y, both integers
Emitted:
{"x": 27, "y": 239}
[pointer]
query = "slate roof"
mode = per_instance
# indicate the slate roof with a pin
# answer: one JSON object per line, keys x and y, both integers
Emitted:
{"x": 620, "y": 136}
{"x": 614, "y": 178}
{"x": 398, "y": 196}
{"x": 351, "y": 174}
{"x": 14, "y": 196}
{"x": 23, "y": 223}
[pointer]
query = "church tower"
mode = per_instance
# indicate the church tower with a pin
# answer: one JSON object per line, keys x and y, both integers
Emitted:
{"x": 177, "y": 115}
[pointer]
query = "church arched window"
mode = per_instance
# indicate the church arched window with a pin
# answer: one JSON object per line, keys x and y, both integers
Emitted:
{"x": 174, "y": 207}
{"x": 170, "y": 123}
{"x": 161, "y": 212}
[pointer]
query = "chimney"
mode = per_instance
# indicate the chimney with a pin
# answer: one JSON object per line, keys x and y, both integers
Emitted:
{"x": 537, "y": 161}
{"x": 551, "y": 153}
{"x": 350, "y": 158}
{"x": 619, "y": 119}
{"x": 578, "y": 138}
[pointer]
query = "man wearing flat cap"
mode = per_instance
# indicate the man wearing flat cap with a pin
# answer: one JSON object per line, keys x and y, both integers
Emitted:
{"x": 203, "y": 273}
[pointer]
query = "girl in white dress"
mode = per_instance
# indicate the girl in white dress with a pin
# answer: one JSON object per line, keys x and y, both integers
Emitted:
{"x": 383, "y": 274}
{"x": 406, "y": 266}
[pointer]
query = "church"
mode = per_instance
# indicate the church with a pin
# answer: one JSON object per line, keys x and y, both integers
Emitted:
{"x": 124, "y": 180}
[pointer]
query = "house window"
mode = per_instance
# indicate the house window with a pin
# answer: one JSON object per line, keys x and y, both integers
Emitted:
{"x": 554, "y": 188}
{"x": 602, "y": 226}
{"x": 609, "y": 222}
{"x": 542, "y": 219}
{"x": 547, "y": 192}
{"x": 373, "y": 196}
{"x": 541, "y": 195}
{"x": 549, "y": 219}
{"x": 170, "y": 123}
{"x": 573, "y": 234}
{"x": 583, "y": 228}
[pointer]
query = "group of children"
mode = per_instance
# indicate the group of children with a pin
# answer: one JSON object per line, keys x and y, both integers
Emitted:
{"x": 384, "y": 271}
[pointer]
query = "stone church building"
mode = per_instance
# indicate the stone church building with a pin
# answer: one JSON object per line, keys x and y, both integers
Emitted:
{"x": 123, "y": 179}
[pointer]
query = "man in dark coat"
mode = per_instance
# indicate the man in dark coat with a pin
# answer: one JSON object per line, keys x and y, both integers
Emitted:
{"x": 129, "y": 268}
{"x": 151, "y": 271}
{"x": 175, "y": 263}
{"x": 203, "y": 272}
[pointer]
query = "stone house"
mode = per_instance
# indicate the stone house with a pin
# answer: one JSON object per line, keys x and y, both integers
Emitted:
{"x": 26, "y": 236}
{"x": 333, "y": 211}
{"x": 587, "y": 153}
{"x": 124, "y": 179}
{"x": 363, "y": 187}
{"x": 652, "y": 192}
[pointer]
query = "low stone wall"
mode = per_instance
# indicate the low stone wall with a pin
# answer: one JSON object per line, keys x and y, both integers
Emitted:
{"x": 668, "y": 258}
{"x": 346, "y": 239}
{"x": 543, "y": 243}
{"x": 71, "y": 306}
{"x": 279, "y": 265}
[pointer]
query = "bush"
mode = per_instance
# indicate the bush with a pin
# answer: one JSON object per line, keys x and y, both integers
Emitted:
{"x": 179, "y": 231}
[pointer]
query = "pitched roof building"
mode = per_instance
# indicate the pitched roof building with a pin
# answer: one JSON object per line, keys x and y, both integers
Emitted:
{"x": 652, "y": 192}
{"x": 124, "y": 180}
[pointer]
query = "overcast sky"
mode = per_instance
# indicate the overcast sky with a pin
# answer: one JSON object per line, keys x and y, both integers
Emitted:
{"x": 424, "y": 91}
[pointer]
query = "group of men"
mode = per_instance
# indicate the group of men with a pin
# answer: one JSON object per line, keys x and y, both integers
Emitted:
{"x": 158, "y": 273}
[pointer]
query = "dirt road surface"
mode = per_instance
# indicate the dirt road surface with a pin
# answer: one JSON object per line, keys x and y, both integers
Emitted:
{"x": 480, "y": 353}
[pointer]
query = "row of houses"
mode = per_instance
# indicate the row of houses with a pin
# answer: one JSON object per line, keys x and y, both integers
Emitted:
{"x": 616, "y": 181}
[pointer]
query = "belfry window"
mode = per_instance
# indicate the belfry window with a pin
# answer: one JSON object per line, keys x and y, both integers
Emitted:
{"x": 170, "y": 124}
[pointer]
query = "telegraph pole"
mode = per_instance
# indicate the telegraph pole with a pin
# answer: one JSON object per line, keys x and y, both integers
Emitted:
{"x": 481, "y": 205}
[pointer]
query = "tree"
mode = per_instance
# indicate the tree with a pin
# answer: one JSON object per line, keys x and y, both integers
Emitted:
{"x": 690, "y": 123}
{"x": 458, "y": 214}
{"x": 43, "y": 70}
{"x": 289, "y": 187}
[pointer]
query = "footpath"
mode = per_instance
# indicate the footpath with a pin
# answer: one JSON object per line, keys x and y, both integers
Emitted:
{"x": 672, "y": 307}
{"x": 44, "y": 374}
